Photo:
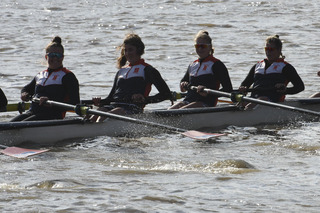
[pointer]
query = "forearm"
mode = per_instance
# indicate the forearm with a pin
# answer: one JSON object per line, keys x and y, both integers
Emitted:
{"x": 29, "y": 88}
{"x": 248, "y": 81}
{"x": 293, "y": 77}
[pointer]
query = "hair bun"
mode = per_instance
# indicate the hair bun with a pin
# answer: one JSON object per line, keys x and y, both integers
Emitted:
{"x": 57, "y": 40}
{"x": 203, "y": 32}
{"x": 277, "y": 36}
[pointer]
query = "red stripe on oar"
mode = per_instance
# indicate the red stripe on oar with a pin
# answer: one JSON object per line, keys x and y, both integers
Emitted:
{"x": 21, "y": 152}
{"x": 201, "y": 135}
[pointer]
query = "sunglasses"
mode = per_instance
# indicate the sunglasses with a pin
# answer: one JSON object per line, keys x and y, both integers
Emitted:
{"x": 202, "y": 45}
{"x": 269, "y": 49}
{"x": 52, "y": 55}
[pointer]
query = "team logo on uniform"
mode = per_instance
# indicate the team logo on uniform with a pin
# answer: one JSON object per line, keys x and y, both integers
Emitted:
{"x": 205, "y": 67}
{"x": 54, "y": 77}
{"x": 136, "y": 70}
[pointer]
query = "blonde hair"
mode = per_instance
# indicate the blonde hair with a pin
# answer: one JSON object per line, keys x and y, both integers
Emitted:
{"x": 202, "y": 34}
{"x": 275, "y": 39}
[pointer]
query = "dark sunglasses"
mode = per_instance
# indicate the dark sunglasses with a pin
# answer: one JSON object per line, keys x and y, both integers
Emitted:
{"x": 52, "y": 55}
{"x": 201, "y": 45}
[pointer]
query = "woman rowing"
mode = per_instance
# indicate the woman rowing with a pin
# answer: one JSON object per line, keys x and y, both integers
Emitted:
{"x": 271, "y": 76}
{"x": 205, "y": 72}
{"x": 56, "y": 83}
{"x": 132, "y": 83}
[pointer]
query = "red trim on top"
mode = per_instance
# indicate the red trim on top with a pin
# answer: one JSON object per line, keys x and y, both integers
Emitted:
{"x": 141, "y": 61}
{"x": 278, "y": 60}
{"x": 209, "y": 58}
{"x": 63, "y": 69}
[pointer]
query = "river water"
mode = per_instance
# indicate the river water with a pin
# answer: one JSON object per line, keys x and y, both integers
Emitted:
{"x": 252, "y": 169}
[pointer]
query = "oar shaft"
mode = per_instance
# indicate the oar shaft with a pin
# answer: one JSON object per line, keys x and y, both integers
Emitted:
{"x": 175, "y": 96}
{"x": 240, "y": 97}
{"x": 83, "y": 110}
{"x": 292, "y": 108}
{"x": 22, "y": 106}
{"x": 134, "y": 120}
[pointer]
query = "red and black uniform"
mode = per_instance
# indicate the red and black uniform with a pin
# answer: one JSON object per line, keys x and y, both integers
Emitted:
{"x": 136, "y": 79}
{"x": 58, "y": 85}
{"x": 264, "y": 76}
{"x": 209, "y": 72}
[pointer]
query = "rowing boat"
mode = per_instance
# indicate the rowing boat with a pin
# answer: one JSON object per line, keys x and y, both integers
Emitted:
{"x": 212, "y": 118}
{"x": 220, "y": 117}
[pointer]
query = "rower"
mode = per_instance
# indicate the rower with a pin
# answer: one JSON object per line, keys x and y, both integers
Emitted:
{"x": 271, "y": 76}
{"x": 56, "y": 83}
{"x": 205, "y": 72}
{"x": 133, "y": 81}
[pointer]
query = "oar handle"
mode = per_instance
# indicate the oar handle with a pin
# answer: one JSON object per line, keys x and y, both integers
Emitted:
{"x": 178, "y": 95}
{"x": 216, "y": 92}
{"x": 21, "y": 107}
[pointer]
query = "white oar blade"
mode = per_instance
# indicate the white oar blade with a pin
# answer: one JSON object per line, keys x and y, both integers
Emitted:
{"x": 21, "y": 152}
{"x": 201, "y": 135}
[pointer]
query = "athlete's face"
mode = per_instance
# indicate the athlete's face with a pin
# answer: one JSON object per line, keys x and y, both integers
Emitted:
{"x": 54, "y": 57}
{"x": 131, "y": 54}
{"x": 272, "y": 52}
{"x": 203, "y": 48}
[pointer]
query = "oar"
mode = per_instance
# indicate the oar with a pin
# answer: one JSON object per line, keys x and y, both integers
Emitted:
{"x": 20, "y": 152}
{"x": 84, "y": 110}
{"x": 175, "y": 96}
{"x": 21, "y": 107}
{"x": 241, "y": 97}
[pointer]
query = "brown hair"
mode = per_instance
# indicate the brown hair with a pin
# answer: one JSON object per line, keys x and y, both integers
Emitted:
{"x": 56, "y": 42}
{"x": 275, "y": 39}
{"x": 204, "y": 35}
{"x": 134, "y": 40}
